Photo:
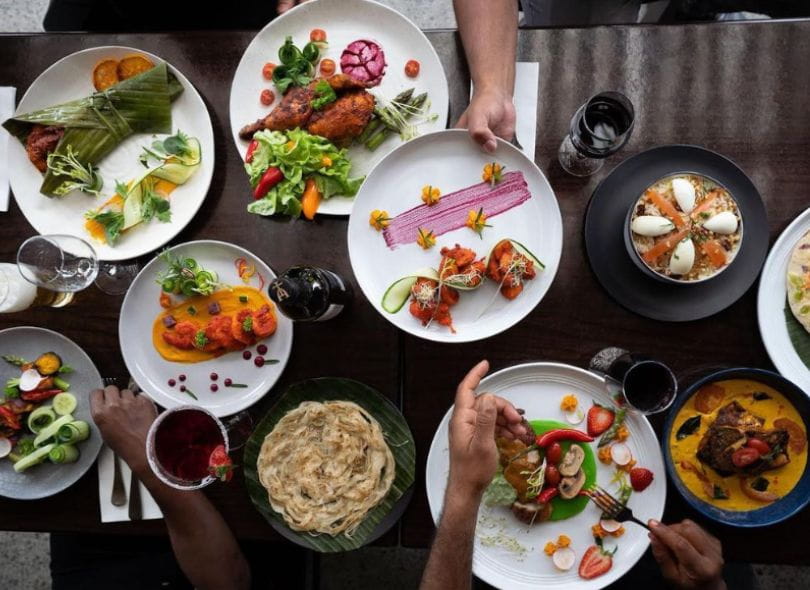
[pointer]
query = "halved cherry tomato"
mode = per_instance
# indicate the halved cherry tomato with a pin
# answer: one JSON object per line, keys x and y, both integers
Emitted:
{"x": 317, "y": 35}
{"x": 554, "y": 453}
{"x": 758, "y": 444}
{"x": 744, "y": 457}
{"x": 412, "y": 68}
{"x": 327, "y": 67}
{"x": 267, "y": 97}
{"x": 268, "y": 69}
{"x": 552, "y": 475}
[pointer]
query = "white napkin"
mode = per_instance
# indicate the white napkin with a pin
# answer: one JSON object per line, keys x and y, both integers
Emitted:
{"x": 110, "y": 513}
{"x": 7, "y": 95}
{"x": 527, "y": 75}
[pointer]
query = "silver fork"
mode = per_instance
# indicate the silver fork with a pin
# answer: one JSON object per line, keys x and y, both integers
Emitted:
{"x": 119, "y": 494}
{"x": 612, "y": 508}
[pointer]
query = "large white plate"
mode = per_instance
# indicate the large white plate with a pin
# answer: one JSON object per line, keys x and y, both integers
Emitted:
{"x": 152, "y": 372}
{"x": 48, "y": 479}
{"x": 771, "y": 301}
{"x": 451, "y": 160}
{"x": 538, "y": 389}
{"x": 68, "y": 79}
{"x": 344, "y": 22}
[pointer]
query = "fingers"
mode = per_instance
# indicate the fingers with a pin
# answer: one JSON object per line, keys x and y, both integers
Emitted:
{"x": 485, "y": 420}
{"x": 508, "y": 413}
{"x": 677, "y": 544}
{"x": 96, "y": 402}
{"x": 462, "y": 121}
{"x": 465, "y": 394}
{"x": 701, "y": 539}
{"x": 478, "y": 127}
{"x": 665, "y": 559}
{"x": 284, "y": 5}
{"x": 111, "y": 395}
{"x": 127, "y": 395}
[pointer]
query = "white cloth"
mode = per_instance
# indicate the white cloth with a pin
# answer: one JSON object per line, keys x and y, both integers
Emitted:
{"x": 7, "y": 96}
{"x": 110, "y": 513}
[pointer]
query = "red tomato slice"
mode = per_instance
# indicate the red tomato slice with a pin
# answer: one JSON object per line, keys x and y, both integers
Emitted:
{"x": 744, "y": 457}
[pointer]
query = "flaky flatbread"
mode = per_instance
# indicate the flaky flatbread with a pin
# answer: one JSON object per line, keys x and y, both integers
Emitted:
{"x": 798, "y": 281}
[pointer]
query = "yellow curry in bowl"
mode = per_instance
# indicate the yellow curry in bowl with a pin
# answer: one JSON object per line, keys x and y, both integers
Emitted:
{"x": 738, "y": 445}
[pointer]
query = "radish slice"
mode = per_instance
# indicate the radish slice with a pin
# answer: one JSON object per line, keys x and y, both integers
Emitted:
{"x": 564, "y": 558}
{"x": 5, "y": 447}
{"x": 610, "y": 526}
{"x": 620, "y": 453}
{"x": 575, "y": 417}
{"x": 29, "y": 380}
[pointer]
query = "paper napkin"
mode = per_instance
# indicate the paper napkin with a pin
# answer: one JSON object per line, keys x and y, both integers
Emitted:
{"x": 110, "y": 513}
{"x": 7, "y": 95}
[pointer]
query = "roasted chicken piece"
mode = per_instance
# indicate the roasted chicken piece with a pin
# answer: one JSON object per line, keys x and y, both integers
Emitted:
{"x": 40, "y": 142}
{"x": 343, "y": 120}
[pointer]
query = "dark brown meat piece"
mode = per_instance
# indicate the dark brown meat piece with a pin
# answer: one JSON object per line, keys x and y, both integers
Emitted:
{"x": 293, "y": 111}
{"x": 717, "y": 446}
{"x": 529, "y": 437}
{"x": 734, "y": 414}
{"x": 41, "y": 142}
{"x": 531, "y": 512}
{"x": 344, "y": 119}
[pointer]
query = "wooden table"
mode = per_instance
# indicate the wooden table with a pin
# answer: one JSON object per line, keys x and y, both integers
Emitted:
{"x": 740, "y": 89}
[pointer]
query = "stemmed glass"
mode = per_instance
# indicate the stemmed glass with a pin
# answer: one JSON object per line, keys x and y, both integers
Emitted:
{"x": 599, "y": 128}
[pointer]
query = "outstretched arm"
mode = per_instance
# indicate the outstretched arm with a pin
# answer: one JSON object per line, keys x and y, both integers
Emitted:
{"x": 488, "y": 31}
{"x": 203, "y": 544}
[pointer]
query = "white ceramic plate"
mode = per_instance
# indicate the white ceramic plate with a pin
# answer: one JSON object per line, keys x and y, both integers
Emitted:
{"x": 71, "y": 78}
{"x": 451, "y": 160}
{"x": 48, "y": 479}
{"x": 344, "y": 22}
{"x": 538, "y": 389}
{"x": 771, "y": 301}
{"x": 152, "y": 372}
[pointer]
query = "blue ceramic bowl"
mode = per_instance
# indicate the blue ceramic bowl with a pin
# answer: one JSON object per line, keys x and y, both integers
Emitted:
{"x": 778, "y": 511}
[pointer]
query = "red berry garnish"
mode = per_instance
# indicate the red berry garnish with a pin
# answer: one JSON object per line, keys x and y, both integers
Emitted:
{"x": 214, "y": 376}
{"x": 172, "y": 382}
{"x": 259, "y": 361}
{"x": 261, "y": 349}
{"x": 182, "y": 377}
{"x": 182, "y": 388}
{"x": 246, "y": 355}
{"x": 214, "y": 387}
{"x": 228, "y": 382}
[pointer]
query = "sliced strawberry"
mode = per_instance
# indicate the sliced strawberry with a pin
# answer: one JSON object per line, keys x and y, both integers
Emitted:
{"x": 595, "y": 562}
{"x": 640, "y": 478}
{"x": 600, "y": 419}
{"x": 220, "y": 464}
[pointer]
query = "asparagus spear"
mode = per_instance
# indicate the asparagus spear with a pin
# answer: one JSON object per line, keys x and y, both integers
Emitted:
{"x": 377, "y": 138}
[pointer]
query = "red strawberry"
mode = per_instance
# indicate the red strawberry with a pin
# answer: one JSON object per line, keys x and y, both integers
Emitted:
{"x": 640, "y": 478}
{"x": 220, "y": 464}
{"x": 600, "y": 419}
{"x": 595, "y": 562}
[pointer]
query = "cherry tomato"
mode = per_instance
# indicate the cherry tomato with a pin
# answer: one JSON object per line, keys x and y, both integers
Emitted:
{"x": 554, "y": 453}
{"x": 758, "y": 444}
{"x": 317, "y": 35}
{"x": 327, "y": 67}
{"x": 267, "y": 97}
{"x": 744, "y": 457}
{"x": 267, "y": 70}
{"x": 412, "y": 68}
{"x": 552, "y": 476}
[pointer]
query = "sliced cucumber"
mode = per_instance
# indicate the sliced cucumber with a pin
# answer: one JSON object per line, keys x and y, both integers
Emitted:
{"x": 179, "y": 170}
{"x": 40, "y": 418}
{"x": 74, "y": 432}
{"x": 64, "y": 403}
{"x": 50, "y": 431}
{"x": 526, "y": 252}
{"x": 63, "y": 454}
{"x": 132, "y": 207}
{"x": 397, "y": 294}
{"x": 34, "y": 458}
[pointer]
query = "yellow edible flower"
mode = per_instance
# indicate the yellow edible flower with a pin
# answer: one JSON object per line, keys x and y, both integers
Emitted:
{"x": 563, "y": 541}
{"x": 425, "y": 239}
{"x": 604, "y": 455}
{"x": 628, "y": 467}
{"x": 619, "y": 532}
{"x": 431, "y": 195}
{"x": 477, "y": 221}
{"x": 598, "y": 531}
{"x": 379, "y": 219}
{"x": 622, "y": 433}
{"x": 326, "y": 161}
{"x": 550, "y": 548}
{"x": 493, "y": 172}
{"x": 569, "y": 403}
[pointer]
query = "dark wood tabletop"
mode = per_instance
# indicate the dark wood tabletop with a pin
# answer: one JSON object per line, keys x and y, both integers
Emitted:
{"x": 739, "y": 89}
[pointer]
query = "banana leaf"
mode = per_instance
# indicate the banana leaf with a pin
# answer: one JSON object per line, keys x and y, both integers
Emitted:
{"x": 799, "y": 337}
{"x": 97, "y": 124}
{"x": 397, "y": 435}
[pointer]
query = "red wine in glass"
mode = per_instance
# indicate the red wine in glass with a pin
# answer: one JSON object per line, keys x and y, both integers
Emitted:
{"x": 647, "y": 385}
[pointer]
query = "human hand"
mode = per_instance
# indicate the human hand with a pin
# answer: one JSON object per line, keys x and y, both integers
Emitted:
{"x": 473, "y": 426}
{"x": 491, "y": 113}
{"x": 123, "y": 419}
{"x": 690, "y": 558}
{"x": 284, "y": 5}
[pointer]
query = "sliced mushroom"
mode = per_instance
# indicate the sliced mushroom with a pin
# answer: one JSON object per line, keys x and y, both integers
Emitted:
{"x": 570, "y": 486}
{"x": 572, "y": 461}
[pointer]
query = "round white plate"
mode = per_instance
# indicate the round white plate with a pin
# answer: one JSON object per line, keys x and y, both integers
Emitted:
{"x": 771, "y": 302}
{"x": 48, "y": 479}
{"x": 538, "y": 389}
{"x": 452, "y": 161}
{"x": 344, "y": 22}
{"x": 71, "y": 78}
{"x": 152, "y": 372}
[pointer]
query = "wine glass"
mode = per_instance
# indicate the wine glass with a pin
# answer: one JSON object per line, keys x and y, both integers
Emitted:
{"x": 599, "y": 128}
{"x": 62, "y": 263}
{"x": 115, "y": 279}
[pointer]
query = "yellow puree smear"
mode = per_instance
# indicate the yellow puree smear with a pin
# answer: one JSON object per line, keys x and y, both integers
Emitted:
{"x": 229, "y": 305}
{"x": 782, "y": 479}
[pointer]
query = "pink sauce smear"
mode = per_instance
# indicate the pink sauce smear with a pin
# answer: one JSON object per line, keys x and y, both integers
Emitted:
{"x": 451, "y": 212}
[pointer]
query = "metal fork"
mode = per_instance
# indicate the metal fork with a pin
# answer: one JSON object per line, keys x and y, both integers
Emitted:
{"x": 119, "y": 494}
{"x": 612, "y": 508}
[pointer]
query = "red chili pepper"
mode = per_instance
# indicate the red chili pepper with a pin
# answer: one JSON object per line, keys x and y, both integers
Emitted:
{"x": 11, "y": 419}
{"x": 271, "y": 177}
{"x": 547, "y": 495}
{"x": 38, "y": 396}
{"x": 552, "y": 436}
{"x": 251, "y": 148}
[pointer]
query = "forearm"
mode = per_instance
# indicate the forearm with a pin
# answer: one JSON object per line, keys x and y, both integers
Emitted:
{"x": 488, "y": 31}
{"x": 449, "y": 566}
{"x": 203, "y": 544}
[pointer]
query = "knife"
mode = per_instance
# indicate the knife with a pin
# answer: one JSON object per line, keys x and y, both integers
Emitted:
{"x": 119, "y": 494}
{"x": 135, "y": 510}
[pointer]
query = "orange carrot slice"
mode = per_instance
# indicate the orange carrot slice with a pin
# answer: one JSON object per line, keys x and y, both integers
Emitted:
{"x": 664, "y": 245}
{"x": 666, "y": 208}
{"x": 710, "y": 197}
{"x": 715, "y": 252}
